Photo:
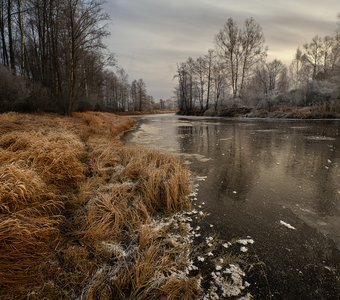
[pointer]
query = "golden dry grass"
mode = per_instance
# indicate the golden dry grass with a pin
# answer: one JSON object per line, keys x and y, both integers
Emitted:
{"x": 78, "y": 212}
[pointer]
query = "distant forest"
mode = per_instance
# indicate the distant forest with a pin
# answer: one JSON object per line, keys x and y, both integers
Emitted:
{"x": 53, "y": 59}
{"x": 236, "y": 75}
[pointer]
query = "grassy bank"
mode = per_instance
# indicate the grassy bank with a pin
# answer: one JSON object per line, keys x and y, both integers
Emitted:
{"x": 83, "y": 216}
{"x": 309, "y": 112}
{"x": 147, "y": 112}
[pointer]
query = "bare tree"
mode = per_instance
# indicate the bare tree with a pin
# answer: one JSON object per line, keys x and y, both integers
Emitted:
{"x": 218, "y": 81}
{"x": 274, "y": 69}
{"x": 242, "y": 49}
{"x": 141, "y": 93}
{"x": 313, "y": 55}
{"x": 228, "y": 42}
{"x": 209, "y": 58}
{"x": 4, "y": 52}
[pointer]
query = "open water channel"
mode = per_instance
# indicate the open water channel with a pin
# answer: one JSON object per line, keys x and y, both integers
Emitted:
{"x": 276, "y": 181}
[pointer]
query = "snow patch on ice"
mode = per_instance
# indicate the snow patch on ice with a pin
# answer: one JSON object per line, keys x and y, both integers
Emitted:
{"x": 287, "y": 225}
{"x": 243, "y": 249}
{"x": 245, "y": 241}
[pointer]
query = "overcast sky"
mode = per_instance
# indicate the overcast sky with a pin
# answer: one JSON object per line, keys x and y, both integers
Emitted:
{"x": 149, "y": 37}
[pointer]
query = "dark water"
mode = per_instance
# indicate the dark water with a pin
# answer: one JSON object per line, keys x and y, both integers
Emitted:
{"x": 261, "y": 173}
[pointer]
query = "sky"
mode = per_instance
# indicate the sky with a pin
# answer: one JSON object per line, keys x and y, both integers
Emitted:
{"x": 149, "y": 37}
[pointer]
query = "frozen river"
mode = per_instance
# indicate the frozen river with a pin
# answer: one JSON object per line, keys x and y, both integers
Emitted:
{"x": 275, "y": 181}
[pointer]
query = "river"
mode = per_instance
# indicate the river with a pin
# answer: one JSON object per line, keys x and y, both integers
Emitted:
{"x": 276, "y": 181}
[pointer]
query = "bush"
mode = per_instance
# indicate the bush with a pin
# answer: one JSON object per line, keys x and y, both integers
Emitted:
{"x": 13, "y": 91}
{"x": 320, "y": 92}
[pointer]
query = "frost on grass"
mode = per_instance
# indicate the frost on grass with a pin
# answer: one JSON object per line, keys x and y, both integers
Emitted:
{"x": 287, "y": 225}
{"x": 160, "y": 253}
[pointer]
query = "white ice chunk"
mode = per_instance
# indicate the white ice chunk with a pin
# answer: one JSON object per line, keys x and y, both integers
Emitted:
{"x": 287, "y": 225}
{"x": 246, "y": 241}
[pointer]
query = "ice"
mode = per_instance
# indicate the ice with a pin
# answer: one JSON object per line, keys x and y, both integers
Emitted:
{"x": 243, "y": 249}
{"x": 246, "y": 241}
{"x": 287, "y": 225}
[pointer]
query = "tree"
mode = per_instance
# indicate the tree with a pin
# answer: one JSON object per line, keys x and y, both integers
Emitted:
{"x": 209, "y": 58}
{"x": 241, "y": 49}
{"x": 218, "y": 81}
{"x": 274, "y": 70}
{"x": 296, "y": 70}
{"x": 84, "y": 32}
{"x": 141, "y": 93}
{"x": 313, "y": 55}
{"x": 60, "y": 38}
{"x": 4, "y": 52}
{"x": 199, "y": 72}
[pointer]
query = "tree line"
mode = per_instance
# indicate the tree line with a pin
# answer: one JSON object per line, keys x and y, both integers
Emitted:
{"x": 236, "y": 73}
{"x": 52, "y": 58}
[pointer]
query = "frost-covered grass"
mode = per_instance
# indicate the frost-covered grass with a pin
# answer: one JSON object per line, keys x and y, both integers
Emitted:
{"x": 78, "y": 211}
{"x": 84, "y": 217}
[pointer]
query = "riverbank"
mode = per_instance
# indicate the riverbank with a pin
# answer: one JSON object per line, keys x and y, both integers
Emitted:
{"x": 322, "y": 111}
{"x": 147, "y": 112}
{"x": 84, "y": 216}
{"x": 310, "y": 112}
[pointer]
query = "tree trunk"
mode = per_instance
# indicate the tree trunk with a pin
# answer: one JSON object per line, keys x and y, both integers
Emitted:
{"x": 10, "y": 36}
{"x": 3, "y": 36}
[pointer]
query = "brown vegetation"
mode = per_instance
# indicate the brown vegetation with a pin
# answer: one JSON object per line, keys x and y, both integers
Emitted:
{"x": 328, "y": 110}
{"x": 81, "y": 214}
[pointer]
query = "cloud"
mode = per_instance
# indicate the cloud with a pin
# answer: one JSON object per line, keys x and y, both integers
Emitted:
{"x": 150, "y": 37}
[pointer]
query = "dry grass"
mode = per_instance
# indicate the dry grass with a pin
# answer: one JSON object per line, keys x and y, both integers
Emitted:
{"x": 78, "y": 212}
